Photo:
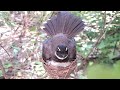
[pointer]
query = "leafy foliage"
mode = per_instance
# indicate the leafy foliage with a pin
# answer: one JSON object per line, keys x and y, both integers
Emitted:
{"x": 101, "y": 39}
{"x": 100, "y": 22}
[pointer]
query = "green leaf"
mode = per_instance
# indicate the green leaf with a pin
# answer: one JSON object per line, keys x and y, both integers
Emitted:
{"x": 33, "y": 28}
{"x": 110, "y": 55}
{"x": 38, "y": 63}
{"x": 15, "y": 49}
{"x": 7, "y": 65}
{"x": 101, "y": 45}
{"x": 100, "y": 23}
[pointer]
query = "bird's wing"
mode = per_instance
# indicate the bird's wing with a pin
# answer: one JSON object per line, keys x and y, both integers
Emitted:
{"x": 46, "y": 50}
{"x": 72, "y": 50}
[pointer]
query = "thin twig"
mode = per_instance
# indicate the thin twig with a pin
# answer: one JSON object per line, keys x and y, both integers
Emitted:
{"x": 5, "y": 50}
{"x": 116, "y": 24}
{"x": 54, "y": 13}
{"x": 16, "y": 29}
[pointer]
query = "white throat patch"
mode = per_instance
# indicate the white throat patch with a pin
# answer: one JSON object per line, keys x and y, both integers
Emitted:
{"x": 60, "y": 57}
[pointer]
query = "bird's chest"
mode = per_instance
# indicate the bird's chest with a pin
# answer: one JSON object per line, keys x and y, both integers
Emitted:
{"x": 58, "y": 64}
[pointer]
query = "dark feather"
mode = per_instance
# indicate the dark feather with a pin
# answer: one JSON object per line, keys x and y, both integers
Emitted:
{"x": 65, "y": 23}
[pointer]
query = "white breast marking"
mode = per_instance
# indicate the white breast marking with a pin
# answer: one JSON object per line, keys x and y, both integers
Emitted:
{"x": 65, "y": 64}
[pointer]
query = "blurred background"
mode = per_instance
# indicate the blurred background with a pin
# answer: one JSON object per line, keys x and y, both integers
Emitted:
{"x": 21, "y": 37}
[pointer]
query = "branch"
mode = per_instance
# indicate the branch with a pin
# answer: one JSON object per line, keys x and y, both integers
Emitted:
{"x": 85, "y": 61}
{"x": 5, "y": 50}
{"x": 103, "y": 34}
{"x": 16, "y": 29}
{"x": 100, "y": 38}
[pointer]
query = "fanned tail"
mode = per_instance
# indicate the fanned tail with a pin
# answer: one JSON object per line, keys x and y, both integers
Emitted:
{"x": 65, "y": 23}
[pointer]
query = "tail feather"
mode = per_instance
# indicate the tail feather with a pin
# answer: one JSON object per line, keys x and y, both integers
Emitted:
{"x": 76, "y": 30}
{"x": 53, "y": 21}
{"x": 70, "y": 22}
{"x": 52, "y": 28}
{"x": 48, "y": 30}
{"x": 74, "y": 25}
{"x": 65, "y": 23}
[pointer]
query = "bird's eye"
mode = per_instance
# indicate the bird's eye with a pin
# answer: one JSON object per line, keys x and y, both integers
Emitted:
{"x": 59, "y": 49}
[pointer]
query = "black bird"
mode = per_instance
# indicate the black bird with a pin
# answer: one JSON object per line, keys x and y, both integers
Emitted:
{"x": 60, "y": 48}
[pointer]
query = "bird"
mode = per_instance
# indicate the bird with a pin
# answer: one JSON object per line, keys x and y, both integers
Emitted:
{"x": 60, "y": 48}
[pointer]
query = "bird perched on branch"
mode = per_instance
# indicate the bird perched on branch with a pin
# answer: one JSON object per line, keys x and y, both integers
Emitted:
{"x": 60, "y": 49}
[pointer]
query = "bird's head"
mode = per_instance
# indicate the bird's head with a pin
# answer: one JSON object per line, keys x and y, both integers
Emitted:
{"x": 61, "y": 52}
